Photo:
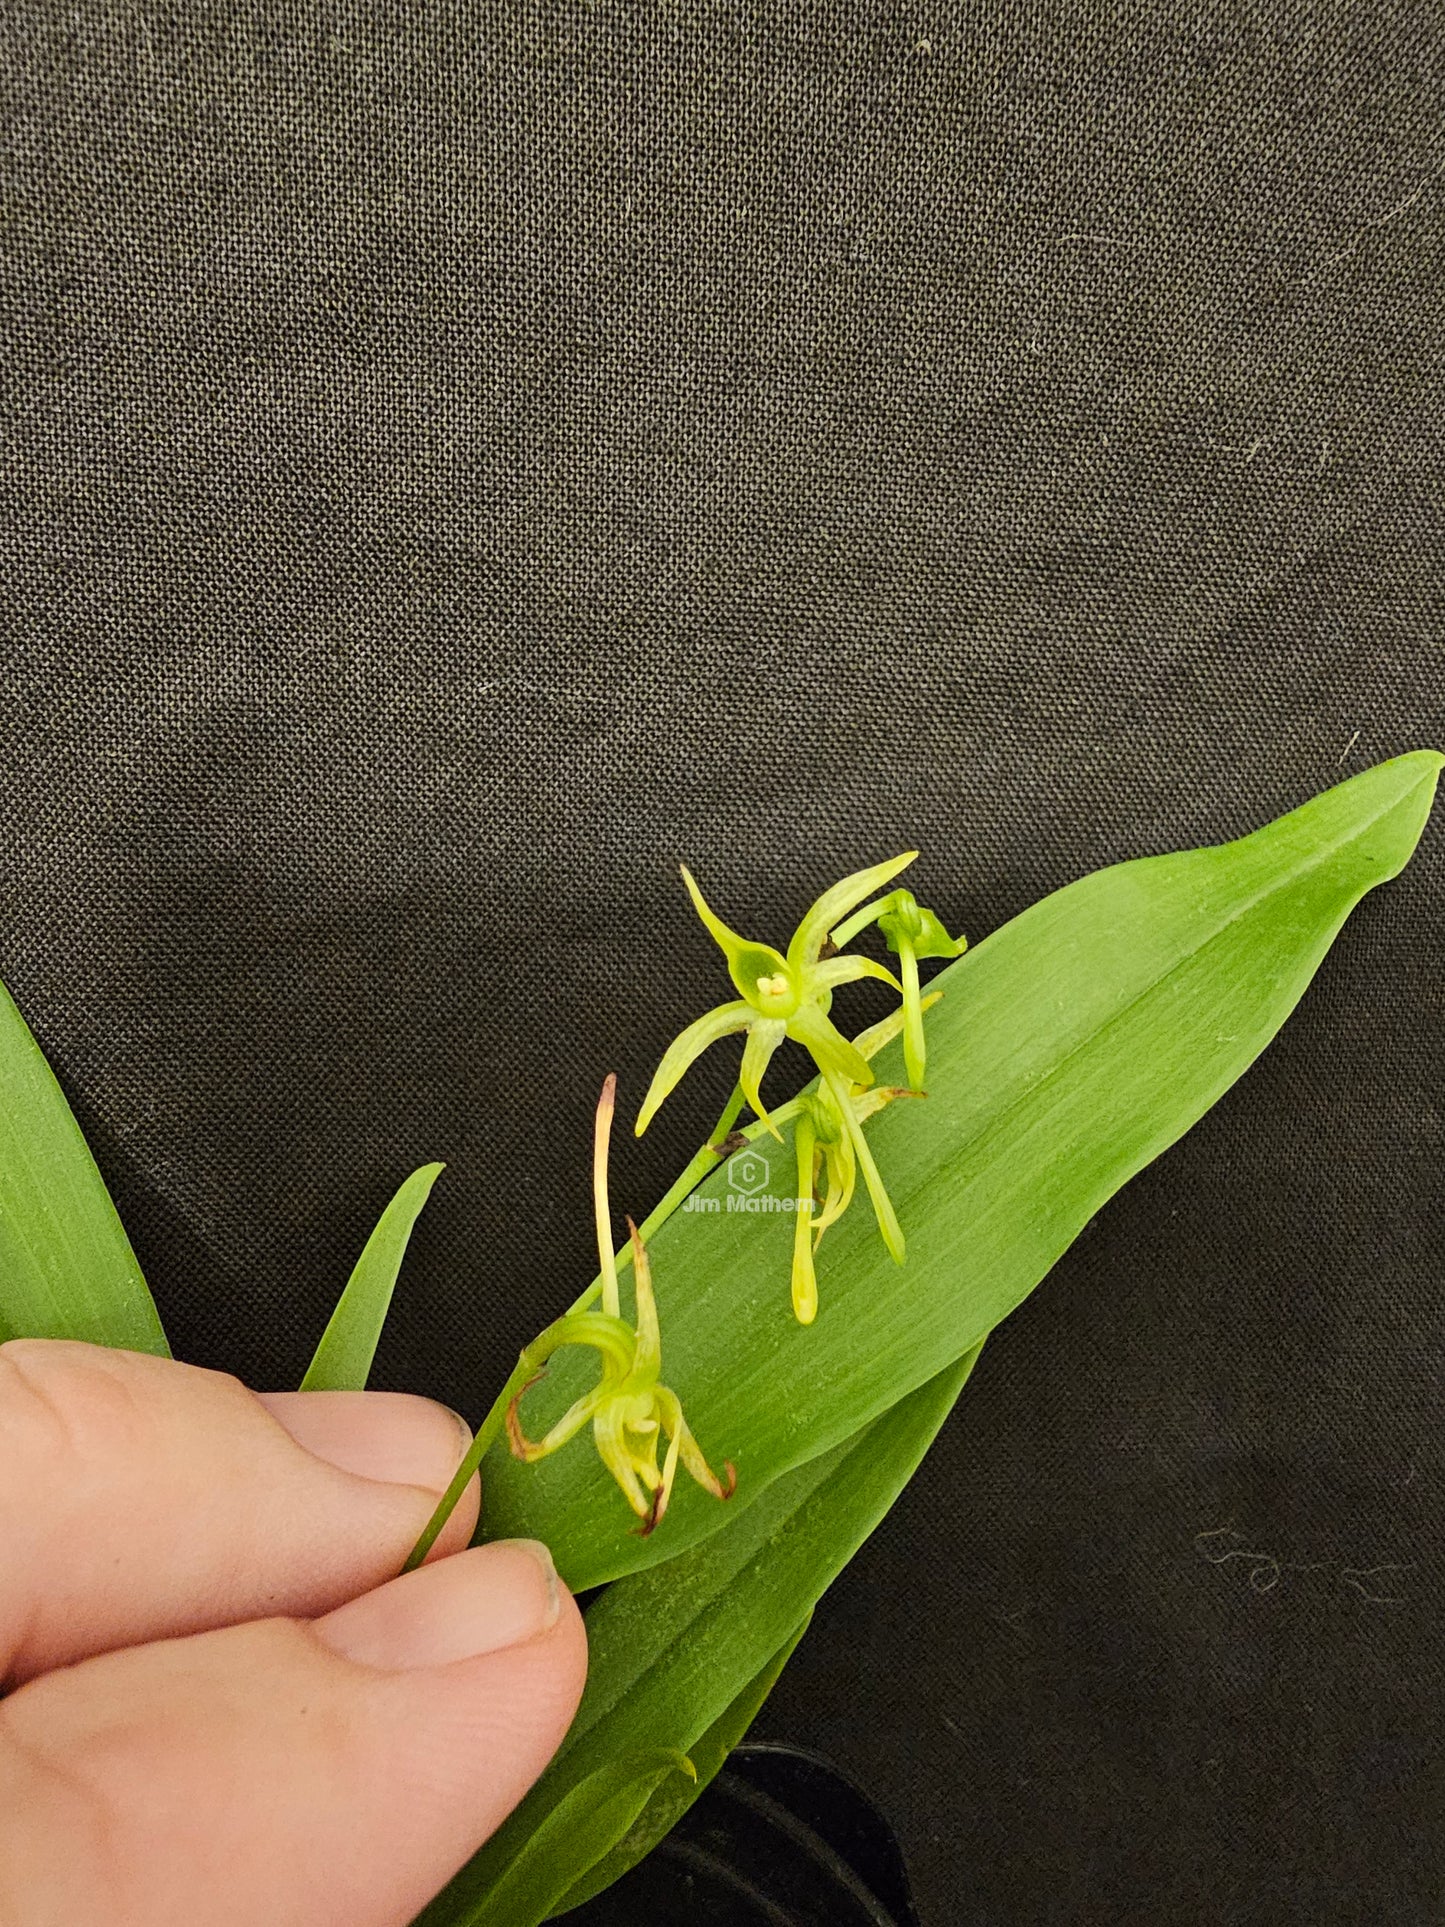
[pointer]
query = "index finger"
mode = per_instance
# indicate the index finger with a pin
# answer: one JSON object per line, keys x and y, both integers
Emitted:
{"x": 141, "y": 1499}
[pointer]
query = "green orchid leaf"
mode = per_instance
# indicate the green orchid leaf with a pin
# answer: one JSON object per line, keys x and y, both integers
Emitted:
{"x": 576, "y": 1832}
{"x": 673, "y": 1652}
{"x": 677, "y": 1793}
{"x": 66, "y": 1266}
{"x": 1071, "y": 1047}
{"x": 348, "y": 1345}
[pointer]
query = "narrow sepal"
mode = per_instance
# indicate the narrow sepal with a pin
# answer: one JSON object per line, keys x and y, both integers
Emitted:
{"x": 683, "y": 1052}
{"x": 883, "y": 1210}
{"x": 826, "y": 1044}
{"x": 833, "y": 971}
{"x": 764, "y": 1036}
{"x": 837, "y": 902}
{"x": 567, "y": 1427}
{"x": 869, "y": 1103}
{"x": 842, "y": 1170}
{"x": 747, "y": 961}
{"x": 647, "y": 1355}
{"x": 610, "y": 1433}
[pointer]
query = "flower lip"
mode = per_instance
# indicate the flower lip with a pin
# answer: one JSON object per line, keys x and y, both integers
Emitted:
{"x": 775, "y": 994}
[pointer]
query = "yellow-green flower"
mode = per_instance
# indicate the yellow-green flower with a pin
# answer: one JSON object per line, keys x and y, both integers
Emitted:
{"x": 781, "y": 995}
{"x": 629, "y": 1410}
{"x": 911, "y": 932}
{"x": 829, "y": 1142}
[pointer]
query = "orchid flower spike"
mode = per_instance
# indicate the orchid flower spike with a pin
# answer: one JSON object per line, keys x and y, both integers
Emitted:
{"x": 829, "y": 1142}
{"x": 629, "y": 1411}
{"x": 911, "y": 932}
{"x": 780, "y": 995}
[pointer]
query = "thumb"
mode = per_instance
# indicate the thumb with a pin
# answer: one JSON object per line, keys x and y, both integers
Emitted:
{"x": 332, "y": 1773}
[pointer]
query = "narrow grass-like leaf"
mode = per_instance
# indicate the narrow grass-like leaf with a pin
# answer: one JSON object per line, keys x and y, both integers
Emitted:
{"x": 348, "y": 1345}
{"x": 671, "y": 1650}
{"x": 66, "y": 1266}
{"x": 1070, "y": 1048}
{"x": 677, "y": 1793}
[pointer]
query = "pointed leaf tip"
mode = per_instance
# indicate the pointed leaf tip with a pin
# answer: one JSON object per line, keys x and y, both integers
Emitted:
{"x": 343, "y": 1359}
{"x": 66, "y": 1266}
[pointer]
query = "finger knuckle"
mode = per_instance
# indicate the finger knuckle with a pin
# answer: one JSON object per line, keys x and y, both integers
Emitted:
{"x": 63, "y": 1402}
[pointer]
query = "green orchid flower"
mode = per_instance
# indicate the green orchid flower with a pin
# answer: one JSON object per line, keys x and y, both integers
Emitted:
{"x": 780, "y": 995}
{"x": 628, "y": 1409}
{"x": 829, "y": 1143}
{"x": 911, "y": 932}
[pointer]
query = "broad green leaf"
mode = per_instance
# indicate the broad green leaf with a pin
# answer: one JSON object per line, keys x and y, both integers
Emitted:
{"x": 66, "y": 1266}
{"x": 577, "y": 1832}
{"x": 1071, "y": 1047}
{"x": 348, "y": 1345}
{"x": 677, "y": 1793}
{"x": 672, "y": 1650}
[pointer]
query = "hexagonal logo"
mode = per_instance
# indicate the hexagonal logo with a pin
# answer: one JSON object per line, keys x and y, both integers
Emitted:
{"x": 747, "y": 1171}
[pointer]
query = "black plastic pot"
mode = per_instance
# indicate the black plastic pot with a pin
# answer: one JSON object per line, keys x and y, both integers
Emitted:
{"x": 779, "y": 1839}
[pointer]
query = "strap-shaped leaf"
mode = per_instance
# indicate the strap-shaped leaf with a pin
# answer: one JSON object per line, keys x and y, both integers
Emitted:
{"x": 577, "y": 1831}
{"x": 1072, "y": 1046}
{"x": 676, "y": 1793}
{"x": 342, "y": 1362}
{"x": 673, "y": 1651}
{"x": 66, "y": 1266}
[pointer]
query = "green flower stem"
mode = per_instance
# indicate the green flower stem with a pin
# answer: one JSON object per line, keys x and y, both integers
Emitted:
{"x": 702, "y": 1163}
{"x": 491, "y": 1427}
{"x": 529, "y": 1363}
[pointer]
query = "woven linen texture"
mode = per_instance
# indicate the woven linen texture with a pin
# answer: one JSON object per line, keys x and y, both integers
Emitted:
{"x": 462, "y": 460}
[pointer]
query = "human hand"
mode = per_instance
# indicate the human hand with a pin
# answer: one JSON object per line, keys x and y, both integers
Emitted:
{"x": 227, "y": 1707}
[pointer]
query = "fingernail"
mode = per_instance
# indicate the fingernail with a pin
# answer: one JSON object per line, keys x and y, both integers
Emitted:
{"x": 534, "y": 1549}
{"x": 392, "y": 1436}
{"x": 481, "y": 1601}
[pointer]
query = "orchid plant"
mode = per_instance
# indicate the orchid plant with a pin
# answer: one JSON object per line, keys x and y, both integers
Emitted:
{"x": 784, "y": 995}
{"x": 1072, "y": 1047}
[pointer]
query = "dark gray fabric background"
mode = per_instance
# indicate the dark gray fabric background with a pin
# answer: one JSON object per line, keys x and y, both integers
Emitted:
{"x": 460, "y": 461}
